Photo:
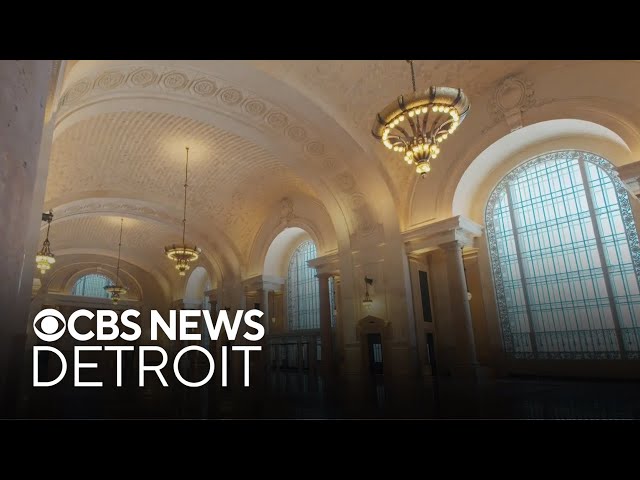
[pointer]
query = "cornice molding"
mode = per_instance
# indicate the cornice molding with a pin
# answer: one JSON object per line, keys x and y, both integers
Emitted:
{"x": 431, "y": 235}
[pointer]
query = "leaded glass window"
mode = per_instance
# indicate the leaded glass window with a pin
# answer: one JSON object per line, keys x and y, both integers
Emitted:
{"x": 565, "y": 259}
{"x": 91, "y": 285}
{"x": 303, "y": 296}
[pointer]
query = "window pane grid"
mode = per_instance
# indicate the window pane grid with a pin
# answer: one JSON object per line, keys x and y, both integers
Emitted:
{"x": 91, "y": 286}
{"x": 568, "y": 305}
{"x": 303, "y": 295}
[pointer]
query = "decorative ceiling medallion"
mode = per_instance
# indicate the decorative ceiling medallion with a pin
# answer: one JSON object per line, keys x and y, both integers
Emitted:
{"x": 175, "y": 81}
{"x": 143, "y": 77}
{"x": 204, "y": 87}
{"x": 110, "y": 80}
{"x": 513, "y": 96}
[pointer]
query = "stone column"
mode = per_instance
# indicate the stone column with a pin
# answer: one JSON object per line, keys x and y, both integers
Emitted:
{"x": 476, "y": 304}
{"x": 213, "y": 300}
{"x": 264, "y": 306}
{"x": 337, "y": 286}
{"x": 325, "y": 322}
{"x": 265, "y": 354}
{"x": 24, "y": 158}
{"x": 465, "y": 361}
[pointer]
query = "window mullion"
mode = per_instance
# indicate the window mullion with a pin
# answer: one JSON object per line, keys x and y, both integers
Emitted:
{"x": 532, "y": 333}
{"x": 603, "y": 261}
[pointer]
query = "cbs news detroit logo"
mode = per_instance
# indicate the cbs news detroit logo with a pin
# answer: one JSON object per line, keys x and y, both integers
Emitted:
{"x": 50, "y": 326}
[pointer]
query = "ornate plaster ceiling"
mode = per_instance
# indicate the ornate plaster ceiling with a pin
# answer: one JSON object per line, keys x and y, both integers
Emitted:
{"x": 141, "y": 156}
{"x": 355, "y": 91}
{"x": 142, "y": 241}
{"x": 258, "y": 131}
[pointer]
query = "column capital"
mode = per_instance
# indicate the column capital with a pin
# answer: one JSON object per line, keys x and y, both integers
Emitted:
{"x": 262, "y": 282}
{"x": 431, "y": 235}
{"x": 326, "y": 264}
{"x": 416, "y": 258}
{"x": 212, "y": 294}
{"x": 451, "y": 245}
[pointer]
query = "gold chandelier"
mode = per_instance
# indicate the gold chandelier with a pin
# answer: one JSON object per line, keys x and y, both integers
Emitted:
{"x": 44, "y": 258}
{"x": 117, "y": 290}
{"x": 183, "y": 255}
{"x": 416, "y": 124}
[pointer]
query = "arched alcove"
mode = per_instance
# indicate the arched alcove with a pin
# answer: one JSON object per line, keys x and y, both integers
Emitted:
{"x": 198, "y": 283}
{"x": 281, "y": 248}
{"x": 482, "y": 175}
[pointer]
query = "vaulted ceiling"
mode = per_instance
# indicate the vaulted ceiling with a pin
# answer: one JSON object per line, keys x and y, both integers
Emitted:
{"x": 258, "y": 131}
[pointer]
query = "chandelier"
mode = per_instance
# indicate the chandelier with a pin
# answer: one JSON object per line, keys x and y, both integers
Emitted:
{"x": 117, "y": 290}
{"x": 416, "y": 124}
{"x": 44, "y": 258}
{"x": 183, "y": 255}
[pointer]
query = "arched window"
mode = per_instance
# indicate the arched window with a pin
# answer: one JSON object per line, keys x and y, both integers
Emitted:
{"x": 302, "y": 289}
{"x": 565, "y": 259}
{"x": 91, "y": 285}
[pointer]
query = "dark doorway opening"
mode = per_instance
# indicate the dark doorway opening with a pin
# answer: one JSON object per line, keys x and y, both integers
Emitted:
{"x": 375, "y": 352}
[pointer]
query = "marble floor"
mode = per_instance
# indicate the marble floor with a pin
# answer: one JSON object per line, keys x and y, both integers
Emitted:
{"x": 300, "y": 395}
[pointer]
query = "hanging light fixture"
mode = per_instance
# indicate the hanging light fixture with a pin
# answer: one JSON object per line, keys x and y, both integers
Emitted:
{"x": 367, "y": 301}
{"x": 415, "y": 124}
{"x": 117, "y": 290}
{"x": 44, "y": 258}
{"x": 183, "y": 255}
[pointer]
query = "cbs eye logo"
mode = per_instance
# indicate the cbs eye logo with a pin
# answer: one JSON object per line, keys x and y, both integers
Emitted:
{"x": 52, "y": 325}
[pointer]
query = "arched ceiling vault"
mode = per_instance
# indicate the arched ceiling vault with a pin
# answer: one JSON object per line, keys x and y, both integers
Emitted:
{"x": 500, "y": 91}
{"x": 257, "y": 134}
{"x": 97, "y": 233}
{"x": 150, "y": 288}
{"x": 262, "y": 130}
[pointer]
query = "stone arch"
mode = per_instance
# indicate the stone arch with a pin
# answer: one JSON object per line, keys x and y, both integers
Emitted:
{"x": 147, "y": 286}
{"x": 135, "y": 290}
{"x": 244, "y": 99}
{"x": 494, "y": 162}
{"x": 199, "y": 281}
{"x": 148, "y": 213}
{"x": 281, "y": 249}
{"x": 557, "y": 94}
{"x": 293, "y": 212}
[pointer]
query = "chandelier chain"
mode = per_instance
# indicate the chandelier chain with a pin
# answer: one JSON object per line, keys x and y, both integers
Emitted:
{"x": 49, "y": 219}
{"x": 119, "y": 250}
{"x": 184, "y": 218}
{"x": 413, "y": 75}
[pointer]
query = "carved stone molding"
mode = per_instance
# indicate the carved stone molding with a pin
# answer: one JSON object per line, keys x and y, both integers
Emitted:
{"x": 362, "y": 219}
{"x": 202, "y": 87}
{"x": 218, "y": 94}
{"x": 511, "y": 97}
{"x": 286, "y": 211}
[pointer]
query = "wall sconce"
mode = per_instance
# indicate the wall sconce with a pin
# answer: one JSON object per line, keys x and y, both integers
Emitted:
{"x": 367, "y": 301}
